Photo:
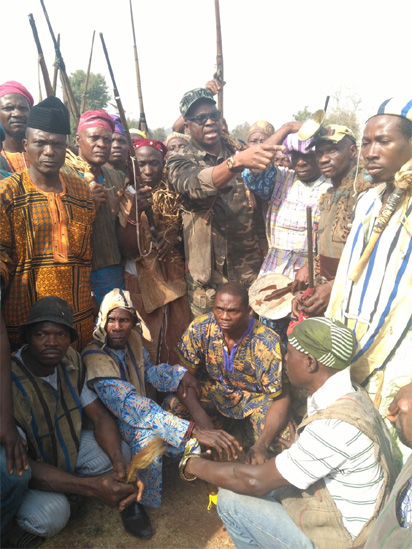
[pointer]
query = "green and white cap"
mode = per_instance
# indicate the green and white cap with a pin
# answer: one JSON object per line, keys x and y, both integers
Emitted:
{"x": 329, "y": 341}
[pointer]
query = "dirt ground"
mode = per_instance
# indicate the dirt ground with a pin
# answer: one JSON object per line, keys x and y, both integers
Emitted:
{"x": 182, "y": 521}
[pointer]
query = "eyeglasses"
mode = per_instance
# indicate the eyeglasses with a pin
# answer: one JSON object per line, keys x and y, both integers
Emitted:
{"x": 201, "y": 119}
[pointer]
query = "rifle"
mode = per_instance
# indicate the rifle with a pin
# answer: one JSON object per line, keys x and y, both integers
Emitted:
{"x": 149, "y": 211}
{"x": 309, "y": 230}
{"x": 142, "y": 119}
{"x": 62, "y": 67}
{"x": 45, "y": 72}
{"x": 219, "y": 57}
{"x": 86, "y": 81}
{"x": 56, "y": 68}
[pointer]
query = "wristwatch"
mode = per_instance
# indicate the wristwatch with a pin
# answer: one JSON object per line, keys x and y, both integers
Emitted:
{"x": 231, "y": 167}
{"x": 230, "y": 164}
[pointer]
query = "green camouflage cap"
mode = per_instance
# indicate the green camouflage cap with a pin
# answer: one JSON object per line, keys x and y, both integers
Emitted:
{"x": 192, "y": 96}
{"x": 329, "y": 341}
{"x": 333, "y": 133}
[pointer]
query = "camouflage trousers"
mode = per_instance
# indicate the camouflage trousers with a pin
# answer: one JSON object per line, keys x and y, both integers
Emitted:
{"x": 202, "y": 297}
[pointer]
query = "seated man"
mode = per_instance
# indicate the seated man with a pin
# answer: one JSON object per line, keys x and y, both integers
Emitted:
{"x": 394, "y": 525}
{"x": 118, "y": 367}
{"x": 50, "y": 394}
{"x": 336, "y": 477}
{"x": 239, "y": 362}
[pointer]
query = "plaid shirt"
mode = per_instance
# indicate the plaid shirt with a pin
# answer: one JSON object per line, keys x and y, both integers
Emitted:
{"x": 287, "y": 198}
{"x": 235, "y": 243}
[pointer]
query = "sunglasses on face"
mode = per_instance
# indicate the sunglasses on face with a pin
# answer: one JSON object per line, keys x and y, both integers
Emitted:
{"x": 201, "y": 119}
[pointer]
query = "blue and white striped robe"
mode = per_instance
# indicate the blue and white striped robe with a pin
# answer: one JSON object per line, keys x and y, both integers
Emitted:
{"x": 378, "y": 307}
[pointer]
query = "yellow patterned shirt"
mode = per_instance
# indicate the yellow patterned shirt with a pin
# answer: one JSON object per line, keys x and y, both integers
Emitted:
{"x": 241, "y": 380}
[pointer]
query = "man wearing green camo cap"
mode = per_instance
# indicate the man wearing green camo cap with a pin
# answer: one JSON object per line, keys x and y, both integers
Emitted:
{"x": 328, "y": 487}
{"x": 336, "y": 154}
{"x": 191, "y": 97}
{"x": 207, "y": 175}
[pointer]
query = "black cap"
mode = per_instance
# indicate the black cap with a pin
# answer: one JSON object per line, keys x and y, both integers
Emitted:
{"x": 50, "y": 309}
{"x": 50, "y": 116}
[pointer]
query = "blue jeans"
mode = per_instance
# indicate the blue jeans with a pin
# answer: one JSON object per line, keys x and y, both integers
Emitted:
{"x": 13, "y": 488}
{"x": 259, "y": 522}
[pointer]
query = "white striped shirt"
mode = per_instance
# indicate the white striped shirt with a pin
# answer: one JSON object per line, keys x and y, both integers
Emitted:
{"x": 340, "y": 454}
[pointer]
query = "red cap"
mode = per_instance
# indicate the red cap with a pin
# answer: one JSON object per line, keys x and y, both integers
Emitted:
{"x": 95, "y": 119}
{"x": 15, "y": 87}
{"x": 158, "y": 145}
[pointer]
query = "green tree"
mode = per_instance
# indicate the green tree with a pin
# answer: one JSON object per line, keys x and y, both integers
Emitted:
{"x": 345, "y": 106}
{"x": 97, "y": 95}
{"x": 159, "y": 134}
{"x": 343, "y": 109}
{"x": 302, "y": 115}
{"x": 241, "y": 131}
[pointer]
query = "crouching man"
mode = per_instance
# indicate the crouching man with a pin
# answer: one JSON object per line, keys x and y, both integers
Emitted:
{"x": 334, "y": 480}
{"x": 50, "y": 395}
{"x": 118, "y": 368}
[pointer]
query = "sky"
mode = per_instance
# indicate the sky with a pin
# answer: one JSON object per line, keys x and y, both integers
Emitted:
{"x": 278, "y": 56}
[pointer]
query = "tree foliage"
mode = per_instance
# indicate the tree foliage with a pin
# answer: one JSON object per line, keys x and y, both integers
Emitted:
{"x": 343, "y": 109}
{"x": 97, "y": 96}
{"x": 303, "y": 114}
{"x": 159, "y": 134}
{"x": 241, "y": 131}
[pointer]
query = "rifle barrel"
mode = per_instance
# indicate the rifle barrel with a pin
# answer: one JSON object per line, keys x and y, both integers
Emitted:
{"x": 219, "y": 57}
{"x": 62, "y": 67}
{"x": 310, "y": 245}
{"x": 86, "y": 81}
{"x": 45, "y": 72}
{"x": 142, "y": 119}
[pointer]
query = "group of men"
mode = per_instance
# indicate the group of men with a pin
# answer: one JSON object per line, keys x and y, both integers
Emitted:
{"x": 144, "y": 267}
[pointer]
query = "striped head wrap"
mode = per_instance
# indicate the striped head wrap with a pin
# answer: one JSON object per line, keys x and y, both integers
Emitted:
{"x": 329, "y": 341}
{"x": 293, "y": 143}
{"x": 398, "y": 106}
{"x": 118, "y": 128}
{"x": 117, "y": 299}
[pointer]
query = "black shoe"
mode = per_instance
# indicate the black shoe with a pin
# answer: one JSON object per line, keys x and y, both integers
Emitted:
{"x": 136, "y": 521}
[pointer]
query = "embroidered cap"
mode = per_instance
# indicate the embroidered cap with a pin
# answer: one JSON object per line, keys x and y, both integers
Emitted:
{"x": 50, "y": 116}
